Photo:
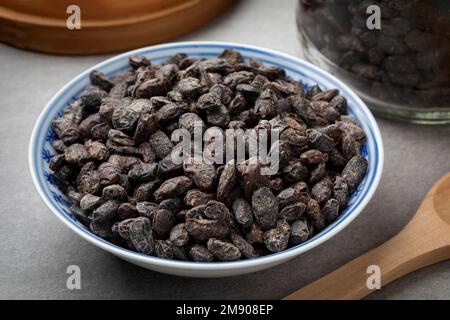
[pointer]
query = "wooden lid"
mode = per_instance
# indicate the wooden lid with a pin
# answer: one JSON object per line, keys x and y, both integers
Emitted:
{"x": 106, "y": 25}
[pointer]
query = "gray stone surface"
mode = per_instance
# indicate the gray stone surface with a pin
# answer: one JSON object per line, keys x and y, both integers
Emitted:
{"x": 35, "y": 248}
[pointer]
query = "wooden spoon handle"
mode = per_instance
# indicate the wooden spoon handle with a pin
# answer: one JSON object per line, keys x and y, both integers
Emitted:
{"x": 423, "y": 242}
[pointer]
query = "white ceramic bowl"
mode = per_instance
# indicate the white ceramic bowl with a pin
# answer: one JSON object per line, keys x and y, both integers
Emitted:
{"x": 41, "y": 151}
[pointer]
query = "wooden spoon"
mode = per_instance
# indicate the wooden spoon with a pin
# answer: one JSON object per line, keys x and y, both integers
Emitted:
{"x": 423, "y": 242}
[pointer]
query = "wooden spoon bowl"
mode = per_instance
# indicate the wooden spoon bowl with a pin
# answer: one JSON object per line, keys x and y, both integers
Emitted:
{"x": 423, "y": 242}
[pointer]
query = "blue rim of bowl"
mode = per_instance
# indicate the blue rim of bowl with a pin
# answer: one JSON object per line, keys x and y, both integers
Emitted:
{"x": 370, "y": 183}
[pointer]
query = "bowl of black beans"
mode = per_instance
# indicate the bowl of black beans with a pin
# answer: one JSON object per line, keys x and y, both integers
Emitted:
{"x": 206, "y": 159}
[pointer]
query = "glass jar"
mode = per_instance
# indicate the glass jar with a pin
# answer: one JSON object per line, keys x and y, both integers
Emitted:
{"x": 400, "y": 66}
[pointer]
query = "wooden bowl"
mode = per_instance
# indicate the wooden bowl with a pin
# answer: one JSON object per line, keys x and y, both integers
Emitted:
{"x": 106, "y": 25}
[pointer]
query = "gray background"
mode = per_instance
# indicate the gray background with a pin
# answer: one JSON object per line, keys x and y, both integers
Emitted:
{"x": 36, "y": 248}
